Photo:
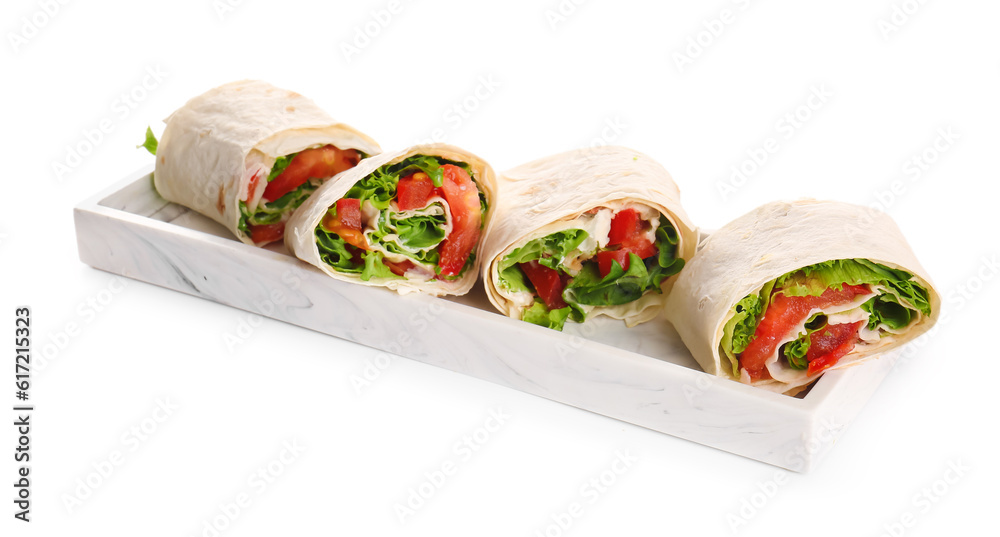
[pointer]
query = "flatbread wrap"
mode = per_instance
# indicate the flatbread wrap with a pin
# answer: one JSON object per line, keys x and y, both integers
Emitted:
{"x": 793, "y": 289}
{"x": 595, "y": 231}
{"x": 410, "y": 221}
{"x": 247, "y": 154}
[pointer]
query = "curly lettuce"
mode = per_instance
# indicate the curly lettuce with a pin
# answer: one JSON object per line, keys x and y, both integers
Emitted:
{"x": 815, "y": 279}
{"x": 334, "y": 251}
{"x": 539, "y": 314}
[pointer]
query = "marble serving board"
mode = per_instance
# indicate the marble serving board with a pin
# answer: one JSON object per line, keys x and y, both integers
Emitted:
{"x": 644, "y": 376}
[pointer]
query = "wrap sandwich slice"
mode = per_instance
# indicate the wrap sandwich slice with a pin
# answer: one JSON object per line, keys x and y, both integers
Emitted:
{"x": 410, "y": 221}
{"x": 247, "y": 154}
{"x": 793, "y": 289}
{"x": 595, "y": 231}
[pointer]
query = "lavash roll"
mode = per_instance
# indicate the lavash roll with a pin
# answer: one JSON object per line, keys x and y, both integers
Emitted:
{"x": 549, "y": 194}
{"x": 773, "y": 240}
{"x": 214, "y": 145}
{"x": 300, "y": 233}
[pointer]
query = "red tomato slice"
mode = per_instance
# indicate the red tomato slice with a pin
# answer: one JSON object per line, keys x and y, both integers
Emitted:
{"x": 624, "y": 225}
{"x": 829, "y": 345}
{"x": 412, "y": 192}
{"x": 265, "y": 233}
{"x": 399, "y": 269}
{"x": 640, "y": 246}
{"x": 319, "y": 162}
{"x": 349, "y": 213}
{"x": 347, "y": 223}
{"x": 782, "y": 314}
{"x": 466, "y": 216}
{"x": 629, "y": 230}
{"x": 548, "y": 284}
{"x": 604, "y": 259}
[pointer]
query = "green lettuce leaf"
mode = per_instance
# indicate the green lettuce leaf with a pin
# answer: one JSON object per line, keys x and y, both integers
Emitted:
{"x": 429, "y": 165}
{"x": 886, "y": 309}
{"x": 150, "y": 144}
{"x": 618, "y": 287}
{"x": 375, "y": 268}
{"x": 814, "y": 279}
{"x": 333, "y": 250}
{"x": 543, "y": 316}
{"x": 795, "y": 351}
{"x": 421, "y": 232}
{"x": 378, "y": 187}
{"x": 245, "y": 215}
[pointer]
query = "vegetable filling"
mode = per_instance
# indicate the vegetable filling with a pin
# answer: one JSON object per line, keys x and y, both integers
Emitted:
{"x": 807, "y": 320}
{"x": 417, "y": 219}
{"x": 292, "y": 179}
{"x": 565, "y": 274}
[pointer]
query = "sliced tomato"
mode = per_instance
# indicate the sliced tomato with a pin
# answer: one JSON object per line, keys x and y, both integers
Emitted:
{"x": 548, "y": 284}
{"x": 641, "y": 246}
{"x": 605, "y": 257}
{"x": 319, "y": 162}
{"x": 628, "y": 229}
{"x": 399, "y": 269}
{"x": 624, "y": 225}
{"x": 349, "y": 213}
{"x": 829, "y": 345}
{"x": 347, "y": 223}
{"x": 784, "y": 313}
{"x": 466, "y": 217}
{"x": 265, "y": 233}
{"x": 413, "y": 191}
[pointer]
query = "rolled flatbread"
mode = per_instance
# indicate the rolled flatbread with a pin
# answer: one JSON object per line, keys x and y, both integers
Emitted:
{"x": 246, "y": 154}
{"x": 596, "y": 231}
{"x": 792, "y": 289}
{"x": 410, "y": 221}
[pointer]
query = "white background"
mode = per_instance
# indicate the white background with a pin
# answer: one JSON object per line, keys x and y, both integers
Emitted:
{"x": 601, "y": 72}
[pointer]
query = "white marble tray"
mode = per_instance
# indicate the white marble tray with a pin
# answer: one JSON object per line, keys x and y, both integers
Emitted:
{"x": 643, "y": 376}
